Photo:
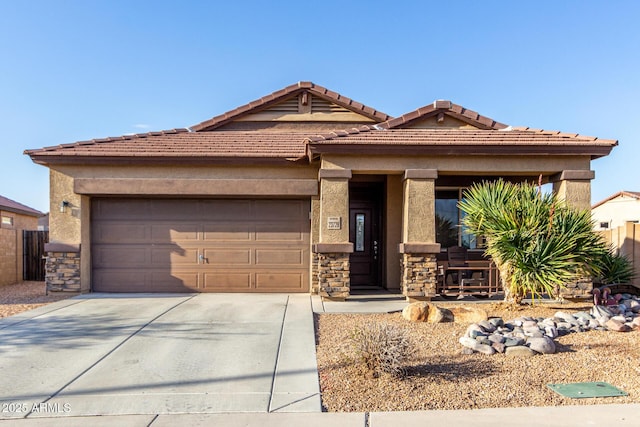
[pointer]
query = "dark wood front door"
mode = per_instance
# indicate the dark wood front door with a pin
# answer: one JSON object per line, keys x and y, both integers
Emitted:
{"x": 365, "y": 233}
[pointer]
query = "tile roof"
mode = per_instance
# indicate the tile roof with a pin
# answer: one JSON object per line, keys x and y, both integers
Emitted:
{"x": 9, "y": 205}
{"x": 280, "y": 95}
{"x": 455, "y": 141}
{"x": 631, "y": 194}
{"x": 445, "y": 107}
{"x": 179, "y": 144}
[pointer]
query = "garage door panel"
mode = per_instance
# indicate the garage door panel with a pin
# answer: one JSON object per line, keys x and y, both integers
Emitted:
{"x": 112, "y": 232}
{"x": 128, "y": 209}
{"x": 119, "y": 281}
{"x": 227, "y": 231}
{"x": 121, "y": 257}
{"x": 225, "y": 281}
{"x": 267, "y": 257}
{"x": 182, "y": 281}
{"x": 247, "y": 245}
{"x": 173, "y": 256}
{"x": 170, "y": 210}
{"x": 171, "y": 232}
{"x": 266, "y": 210}
{"x": 279, "y": 281}
{"x": 220, "y": 210}
{"x": 228, "y": 256}
{"x": 280, "y": 232}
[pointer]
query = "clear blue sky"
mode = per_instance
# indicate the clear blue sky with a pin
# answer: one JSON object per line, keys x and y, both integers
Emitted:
{"x": 76, "y": 70}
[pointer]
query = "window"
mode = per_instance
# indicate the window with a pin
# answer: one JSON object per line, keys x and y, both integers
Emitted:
{"x": 604, "y": 225}
{"x": 7, "y": 220}
{"x": 449, "y": 228}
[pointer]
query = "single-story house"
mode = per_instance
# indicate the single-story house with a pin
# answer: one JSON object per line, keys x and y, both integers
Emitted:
{"x": 303, "y": 190}
{"x": 616, "y": 210}
{"x": 14, "y": 219}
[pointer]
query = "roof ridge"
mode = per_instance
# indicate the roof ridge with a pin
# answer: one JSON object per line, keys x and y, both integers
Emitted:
{"x": 447, "y": 107}
{"x": 278, "y": 95}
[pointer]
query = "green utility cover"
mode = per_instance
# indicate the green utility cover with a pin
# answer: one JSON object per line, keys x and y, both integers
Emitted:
{"x": 583, "y": 390}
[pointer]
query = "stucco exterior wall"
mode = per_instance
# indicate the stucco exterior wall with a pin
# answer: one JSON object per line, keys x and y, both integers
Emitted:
{"x": 393, "y": 223}
{"x": 616, "y": 212}
{"x": 11, "y": 246}
{"x": 449, "y": 165}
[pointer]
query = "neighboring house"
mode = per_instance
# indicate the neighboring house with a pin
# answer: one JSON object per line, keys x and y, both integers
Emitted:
{"x": 303, "y": 190}
{"x": 14, "y": 219}
{"x": 616, "y": 210}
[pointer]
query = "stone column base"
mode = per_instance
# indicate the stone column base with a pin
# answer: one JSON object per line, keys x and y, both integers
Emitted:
{"x": 419, "y": 276}
{"x": 62, "y": 271}
{"x": 334, "y": 282}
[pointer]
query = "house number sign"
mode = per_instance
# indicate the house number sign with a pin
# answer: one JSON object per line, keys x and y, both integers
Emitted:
{"x": 334, "y": 223}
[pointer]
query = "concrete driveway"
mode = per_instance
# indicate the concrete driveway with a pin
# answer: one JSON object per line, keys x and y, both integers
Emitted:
{"x": 107, "y": 354}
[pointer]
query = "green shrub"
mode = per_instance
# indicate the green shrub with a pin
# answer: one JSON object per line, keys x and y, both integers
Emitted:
{"x": 382, "y": 348}
{"x": 615, "y": 268}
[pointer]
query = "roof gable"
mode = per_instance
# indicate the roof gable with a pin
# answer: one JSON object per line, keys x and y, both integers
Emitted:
{"x": 442, "y": 115}
{"x": 303, "y": 101}
{"x": 629, "y": 194}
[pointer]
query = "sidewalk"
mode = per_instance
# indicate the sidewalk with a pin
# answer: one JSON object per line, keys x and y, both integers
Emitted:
{"x": 562, "y": 416}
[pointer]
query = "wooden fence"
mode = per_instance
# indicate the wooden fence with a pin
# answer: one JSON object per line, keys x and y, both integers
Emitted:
{"x": 33, "y": 265}
{"x": 626, "y": 239}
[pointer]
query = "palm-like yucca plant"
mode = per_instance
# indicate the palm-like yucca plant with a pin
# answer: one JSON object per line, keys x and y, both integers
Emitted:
{"x": 536, "y": 241}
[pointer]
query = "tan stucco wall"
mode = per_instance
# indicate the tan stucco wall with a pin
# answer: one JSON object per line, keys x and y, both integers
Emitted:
{"x": 617, "y": 212}
{"x": 393, "y": 220}
{"x": 64, "y": 227}
{"x": 11, "y": 246}
{"x": 334, "y": 202}
{"x": 418, "y": 211}
{"x": 449, "y": 165}
{"x": 576, "y": 193}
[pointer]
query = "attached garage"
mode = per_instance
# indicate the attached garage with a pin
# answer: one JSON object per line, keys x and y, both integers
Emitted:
{"x": 200, "y": 245}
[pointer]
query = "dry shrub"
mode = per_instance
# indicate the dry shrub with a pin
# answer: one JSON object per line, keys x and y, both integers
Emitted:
{"x": 382, "y": 348}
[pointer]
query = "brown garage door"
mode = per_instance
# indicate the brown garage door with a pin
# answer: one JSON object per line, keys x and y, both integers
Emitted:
{"x": 176, "y": 245}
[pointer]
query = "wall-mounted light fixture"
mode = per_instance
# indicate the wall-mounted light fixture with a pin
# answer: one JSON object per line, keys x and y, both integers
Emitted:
{"x": 63, "y": 206}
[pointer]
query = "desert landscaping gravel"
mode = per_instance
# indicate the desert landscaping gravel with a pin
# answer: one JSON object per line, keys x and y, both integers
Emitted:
{"x": 440, "y": 376}
{"x": 25, "y": 296}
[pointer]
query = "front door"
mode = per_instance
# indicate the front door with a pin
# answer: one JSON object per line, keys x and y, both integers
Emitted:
{"x": 365, "y": 233}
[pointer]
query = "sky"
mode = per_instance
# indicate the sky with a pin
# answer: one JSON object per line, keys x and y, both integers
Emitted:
{"x": 78, "y": 70}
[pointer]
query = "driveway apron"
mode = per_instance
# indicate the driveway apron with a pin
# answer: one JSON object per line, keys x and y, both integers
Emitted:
{"x": 155, "y": 354}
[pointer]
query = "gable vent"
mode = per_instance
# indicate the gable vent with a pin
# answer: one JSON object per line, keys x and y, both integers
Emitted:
{"x": 288, "y": 106}
{"x": 319, "y": 105}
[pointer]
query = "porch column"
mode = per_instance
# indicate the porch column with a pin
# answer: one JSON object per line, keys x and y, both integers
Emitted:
{"x": 331, "y": 253}
{"x": 574, "y": 186}
{"x": 419, "y": 247}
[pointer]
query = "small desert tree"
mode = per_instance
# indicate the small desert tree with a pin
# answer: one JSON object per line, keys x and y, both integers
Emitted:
{"x": 537, "y": 242}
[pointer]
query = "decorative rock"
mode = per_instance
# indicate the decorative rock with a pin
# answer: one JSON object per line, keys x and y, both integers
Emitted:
{"x": 473, "y": 327}
{"x": 468, "y": 315}
{"x": 475, "y": 334}
{"x": 476, "y": 346}
{"x": 487, "y": 326}
{"x": 466, "y": 350}
{"x": 616, "y": 325}
{"x": 544, "y": 345}
{"x": 551, "y": 331}
{"x": 438, "y": 315}
{"x": 497, "y": 322}
{"x": 514, "y": 342}
{"x": 498, "y": 347}
{"x": 636, "y": 322}
{"x": 416, "y": 312}
{"x": 566, "y": 317}
{"x": 496, "y": 338}
{"x": 529, "y": 323}
{"x": 519, "y": 351}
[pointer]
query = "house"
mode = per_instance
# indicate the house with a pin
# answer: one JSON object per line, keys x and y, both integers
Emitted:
{"x": 616, "y": 210}
{"x": 303, "y": 190}
{"x": 14, "y": 219}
